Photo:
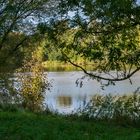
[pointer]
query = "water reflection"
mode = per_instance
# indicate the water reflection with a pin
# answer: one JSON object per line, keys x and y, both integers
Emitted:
{"x": 64, "y": 101}
{"x": 66, "y": 97}
{"x": 66, "y": 104}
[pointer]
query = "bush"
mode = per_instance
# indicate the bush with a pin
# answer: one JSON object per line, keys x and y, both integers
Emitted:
{"x": 118, "y": 108}
{"x": 32, "y": 81}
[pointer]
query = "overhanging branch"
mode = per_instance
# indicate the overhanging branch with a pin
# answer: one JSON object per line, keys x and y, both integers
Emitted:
{"x": 127, "y": 76}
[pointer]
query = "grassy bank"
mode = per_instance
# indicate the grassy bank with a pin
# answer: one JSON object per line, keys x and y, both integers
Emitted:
{"x": 28, "y": 126}
{"x": 62, "y": 66}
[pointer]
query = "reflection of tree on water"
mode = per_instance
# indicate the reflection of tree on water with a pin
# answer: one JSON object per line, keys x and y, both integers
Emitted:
{"x": 64, "y": 101}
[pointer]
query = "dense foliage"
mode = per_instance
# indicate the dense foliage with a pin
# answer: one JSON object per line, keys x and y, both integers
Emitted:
{"x": 18, "y": 22}
{"x": 19, "y": 38}
{"x": 106, "y": 33}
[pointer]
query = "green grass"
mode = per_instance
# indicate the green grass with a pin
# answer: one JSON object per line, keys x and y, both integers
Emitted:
{"x": 62, "y": 66}
{"x": 28, "y": 126}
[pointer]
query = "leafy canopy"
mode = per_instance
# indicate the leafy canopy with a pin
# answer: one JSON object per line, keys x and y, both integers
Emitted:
{"x": 18, "y": 23}
{"x": 106, "y": 33}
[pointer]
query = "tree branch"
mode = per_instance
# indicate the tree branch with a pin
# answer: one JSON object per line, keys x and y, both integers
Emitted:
{"x": 100, "y": 77}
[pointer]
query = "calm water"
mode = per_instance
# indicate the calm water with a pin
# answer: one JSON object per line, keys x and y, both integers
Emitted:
{"x": 66, "y": 97}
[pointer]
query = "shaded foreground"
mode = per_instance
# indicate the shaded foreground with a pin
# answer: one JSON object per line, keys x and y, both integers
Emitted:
{"x": 27, "y": 126}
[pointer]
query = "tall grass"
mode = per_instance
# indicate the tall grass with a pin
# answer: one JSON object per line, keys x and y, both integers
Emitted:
{"x": 123, "y": 109}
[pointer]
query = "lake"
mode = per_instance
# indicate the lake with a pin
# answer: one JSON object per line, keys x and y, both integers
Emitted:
{"x": 66, "y": 97}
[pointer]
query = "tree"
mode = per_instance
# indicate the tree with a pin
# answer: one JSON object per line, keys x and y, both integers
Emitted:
{"x": 18, "y": 31}
{"x": 32, "y": 81}
{"x": 107, "y": 33}
{"x": 22, "y": 17}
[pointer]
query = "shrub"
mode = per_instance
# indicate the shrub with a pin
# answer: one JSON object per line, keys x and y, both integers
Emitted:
{"x": 32, "y": 81}
{"x": 118, "y": 108}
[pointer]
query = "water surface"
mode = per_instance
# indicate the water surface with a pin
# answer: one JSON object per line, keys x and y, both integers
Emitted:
{"x": 66, "y": 97}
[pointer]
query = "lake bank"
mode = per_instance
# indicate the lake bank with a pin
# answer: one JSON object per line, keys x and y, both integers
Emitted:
{"x": 26, "y": 126}
{"x": 57, "y": 66}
